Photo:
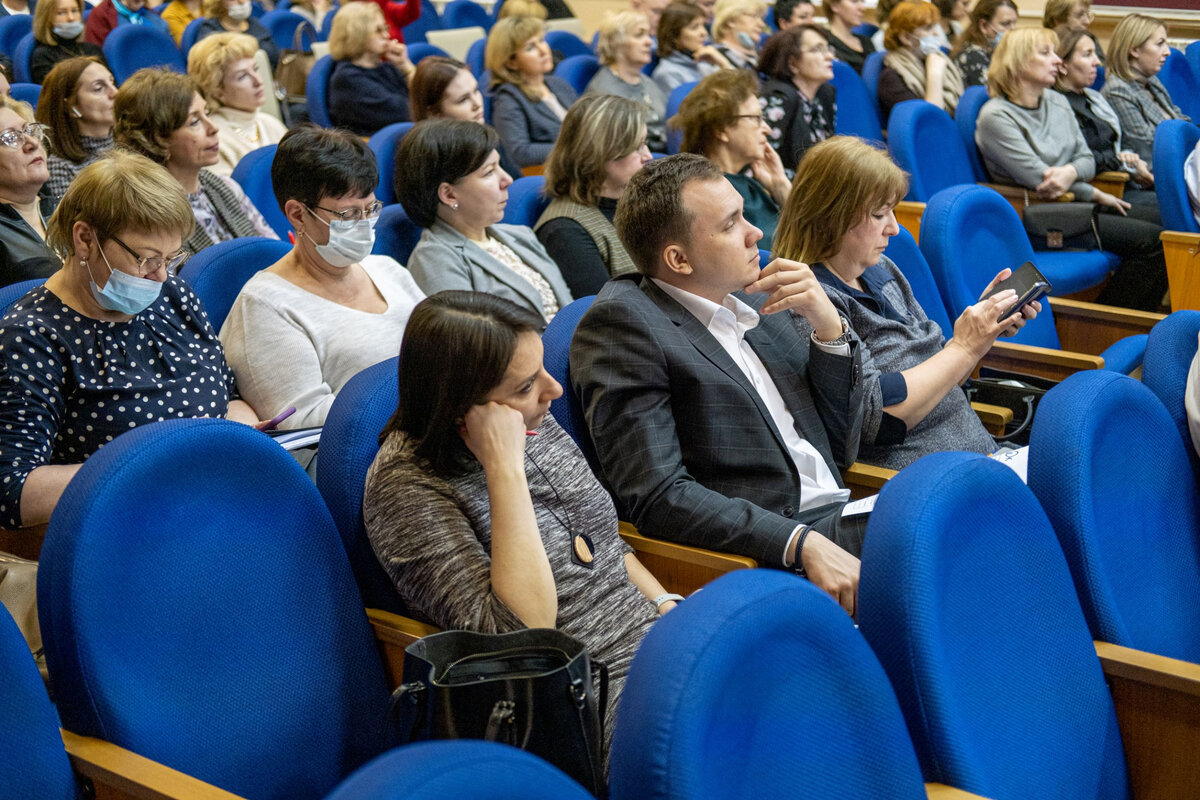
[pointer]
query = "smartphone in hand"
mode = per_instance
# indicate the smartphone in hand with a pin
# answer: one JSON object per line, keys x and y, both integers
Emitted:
{"x": 1028, "y": 283}
{"x": 271, "y": 424}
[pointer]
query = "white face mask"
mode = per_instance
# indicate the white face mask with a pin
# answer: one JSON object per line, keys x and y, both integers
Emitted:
{"x": 240, "y": 11}
{"x": 349, "y": 241}
{"x": 929, "y": 45}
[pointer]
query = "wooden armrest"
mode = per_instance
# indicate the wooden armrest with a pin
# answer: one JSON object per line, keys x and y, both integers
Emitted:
{"x": 940, "y": 791}
{"x": 1111, "y": 181}
{"x": 1092, "y": 328}
{"x": 994, "y": 418}
{"x": 23, "y": 542}
{"x": 1053, "y": 364}
{"x": 1158, "y": 709}
{"x": 1183, "y": 269}
{"x": 908, "y": 214}
{"x": 681, "y": 568}
{"x": 119, "y": 773}
{"x": 864, "y": 480}
{"x": 533, "y": 169}
{"x": 393, "y": 633}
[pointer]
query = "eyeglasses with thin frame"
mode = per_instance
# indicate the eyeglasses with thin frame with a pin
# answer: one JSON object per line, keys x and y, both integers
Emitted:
{"x": 757, "y": 118}
{"x": 353, "y": 214}
{"x": 819, "y": 50}
{"x": 148, "y": 265}
{"x": 16, "y": 138}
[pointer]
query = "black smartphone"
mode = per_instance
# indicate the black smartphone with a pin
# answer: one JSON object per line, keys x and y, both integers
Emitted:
{"x": 1028, "y": 283}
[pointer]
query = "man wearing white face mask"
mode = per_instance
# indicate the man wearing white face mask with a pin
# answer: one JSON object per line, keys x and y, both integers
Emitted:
{"x": 915, "y": 68}
{"x": 328, "y": 309}
{"x": 234, "y": 16}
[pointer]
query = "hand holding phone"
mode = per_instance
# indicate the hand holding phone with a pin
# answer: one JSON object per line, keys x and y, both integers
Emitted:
{"x": 270, "y": 424}
{"x": 1027, "y": 282}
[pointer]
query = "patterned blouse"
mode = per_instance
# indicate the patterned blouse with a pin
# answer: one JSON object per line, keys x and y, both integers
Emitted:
{"x": 973, "y": 62}
{"x": 504, "y": 254}
{"x": 62, "y": 171}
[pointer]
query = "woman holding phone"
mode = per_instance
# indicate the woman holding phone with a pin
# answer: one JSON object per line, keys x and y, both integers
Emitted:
{"x": 839, "y": 219}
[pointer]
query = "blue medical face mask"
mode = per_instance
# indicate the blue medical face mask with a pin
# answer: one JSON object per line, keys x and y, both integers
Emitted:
{"x": 125, "y": 293}
{"x": 68, "y": 30}
{"x": 996, "y": 39}
{"x": 930, "y": 45}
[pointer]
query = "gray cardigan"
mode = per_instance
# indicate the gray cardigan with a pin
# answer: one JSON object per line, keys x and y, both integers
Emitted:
{"x": 679, "y": 68}
{"x": 1018, "y": 143}
{"x": 527, "y": 129}
{"x": 445, "y": 259}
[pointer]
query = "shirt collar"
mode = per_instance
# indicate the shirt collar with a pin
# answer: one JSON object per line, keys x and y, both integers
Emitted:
{"x": 731, "y": 309}
{"x": 874, "y": 278}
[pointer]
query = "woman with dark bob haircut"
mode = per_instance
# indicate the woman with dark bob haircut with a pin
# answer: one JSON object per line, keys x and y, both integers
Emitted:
{"x": 482, "y": 526}
{"x": 799, "y": 102}
{"x": 449, "y": 180}
{"x": 329, "y": 309}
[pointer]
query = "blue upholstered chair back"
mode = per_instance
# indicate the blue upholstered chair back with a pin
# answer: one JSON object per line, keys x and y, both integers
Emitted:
{"x": 1108, "y": 464}
{"x": 908, "y": 257}
{"x": 526, "y": 202}
{"x": 872, "y": 66}
{"x": 26, "y": 93}
{"x": 465, "y": 14}
{"x": 21, "y": 58}
{"x": 759, "y": 687}
{"x": 556, "y": 357}
{"x": 857, "y": 111}
{"x": 674, "y": 99}
{"x": 421, "y": 50}
{"x": 253, "y": 174}
{"x": 578, "y": 70}
{"x": 568, "y": 44}
{"x": 383, "y": 144}
{"x": 462, "y": 769}
{"x": 395, "y": 234}
{"x": 966, "y": 115}
{"x": 14, "y": 28}
{"x": 197, "y": 608}
{"x": 967, "y": 601}
{"x": 129, "y": 48}
{"x": 968, "y": 234}
{"x": 428, "y": 21}
{"x": 349, "y": 442}
{"x": 474, "y": 59}
{"x": 923, "y": 140}
{"x": 33, "y": 763}
{"x": 1174, "y": 140}
{"x": 1192, "y": 51}
{"x": 218, "y": 272}
{"x": 316, "y": 91}
{"x": 1169, "y": 353}
{"x": 1182, "y": 83}
{"x": 283, "y": 24}
{"x": 15, "y": 291}
{"x": 190, "y": 35}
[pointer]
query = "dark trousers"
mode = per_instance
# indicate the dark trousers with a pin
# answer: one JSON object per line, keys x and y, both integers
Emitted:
{"x": 1141, "y": 278}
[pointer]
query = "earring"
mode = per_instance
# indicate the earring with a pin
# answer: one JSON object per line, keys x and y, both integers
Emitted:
{"x": 75, "y": 113}
{"x": 454, "y": 206}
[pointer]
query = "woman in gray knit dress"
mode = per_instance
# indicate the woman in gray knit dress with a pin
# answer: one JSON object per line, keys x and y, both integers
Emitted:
{"x": 482, "y": 509}
{"x": 839, "y": 218}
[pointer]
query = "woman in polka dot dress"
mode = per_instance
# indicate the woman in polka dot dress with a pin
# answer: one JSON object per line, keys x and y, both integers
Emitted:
{"x": 110, "y": 342}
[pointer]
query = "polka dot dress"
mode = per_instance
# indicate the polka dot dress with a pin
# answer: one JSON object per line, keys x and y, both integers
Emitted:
{"x": 71, "y": 383}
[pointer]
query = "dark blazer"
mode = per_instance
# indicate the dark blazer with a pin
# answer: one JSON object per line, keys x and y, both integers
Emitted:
{"x": 687, "y": 447}
{"x": 528, "y": 129}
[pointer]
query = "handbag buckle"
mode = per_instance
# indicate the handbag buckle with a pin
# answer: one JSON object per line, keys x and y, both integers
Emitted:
{"x": 1054, "y": 240}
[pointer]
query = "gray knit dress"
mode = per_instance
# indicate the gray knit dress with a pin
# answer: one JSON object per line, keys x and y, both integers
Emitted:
{"x": 433, "y": 536}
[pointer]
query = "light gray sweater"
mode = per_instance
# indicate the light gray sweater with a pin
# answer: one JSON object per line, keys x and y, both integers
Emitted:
{"x": 647, "y": 92}
{"x": 289, "y": 347}
{"x": 1018, "y": 144}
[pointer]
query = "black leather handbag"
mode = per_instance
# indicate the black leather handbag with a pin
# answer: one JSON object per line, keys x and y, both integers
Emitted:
{"x": 1015, "y": 391}
{"x": 531, "y": 689}
{"x": 1062, "y": 226}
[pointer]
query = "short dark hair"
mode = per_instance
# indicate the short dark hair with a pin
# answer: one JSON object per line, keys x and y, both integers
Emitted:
{"x": 785, "y": 8}
{"x": 434, "y": 152}
{"x": 780, "y": 50}
{"x": 651, "y": 214}
{"x": 311, "y": 163}
{"x": 428, "y": 85}
{"x": 456, "y": 350}
{"x": 674, "y": 19}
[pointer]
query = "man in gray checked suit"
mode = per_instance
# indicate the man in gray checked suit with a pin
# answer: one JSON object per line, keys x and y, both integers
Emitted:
{"x": 720, "y": 399}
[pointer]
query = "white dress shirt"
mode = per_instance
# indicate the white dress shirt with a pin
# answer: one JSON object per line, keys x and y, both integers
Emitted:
{"x": 728, "y": 324}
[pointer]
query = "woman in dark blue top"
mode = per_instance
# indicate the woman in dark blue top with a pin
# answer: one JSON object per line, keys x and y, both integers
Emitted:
{"x": 368, "y": 89}
{"x": 110, "y": 342}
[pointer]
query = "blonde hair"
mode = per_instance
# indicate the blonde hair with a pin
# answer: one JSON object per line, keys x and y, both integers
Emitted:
{"x": 522, "y": 8}
{"x": 726, "y": 11}
{"x": 1012, "y": 55}
{"x": 615, "y": 28}
{"x": 1058, "y": 12}
{"x": 150, "y": 106}
{"x": 838, "y": 183}
{"x": 352, "y": 25}
{"x": 210, "y": 57}
{"x": 20, "y": 107}
{"x": 112, "y": 194}
{"x": 43, "y": 20}
{"x": 507, "y": 37}
{"x": 598, "y": 128}
{"x": 1131, "y": 32}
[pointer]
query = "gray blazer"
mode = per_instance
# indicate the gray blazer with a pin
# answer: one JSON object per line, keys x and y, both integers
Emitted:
{"x": 687, "y": 447}
{"x": 445, "y": 259}
{"x": 527, "y": 129}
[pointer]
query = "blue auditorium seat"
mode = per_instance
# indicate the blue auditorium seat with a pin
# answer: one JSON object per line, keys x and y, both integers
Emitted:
{"x": 1169, "y": 352}
{"x": 465, "y": 14}
{"x": 577, "y": 70}
{"x": 253, "y": 174}
{"x": 198, "y": 609}
{"x": 674, "y": 100}
{"x": 316, "y": 91}
{"x": 966, "y": 115}
{"x": 903, "y": 250}
{"x": 218, "y": 272}
{"x": 383, "y": 144}
{"x": 395, "y": 234}
{"x": 417, "y": 51}
{"x": 129, "y": 48}
{"x": 526, "y": 201}
{"x": 872, "y": 66}
{"x": 556, "y": 356}
{"x": 14, "y": 28}
{"x": 857, "y": 111}
{"x": 1182, "y": 83}
{"x": 568, "y": 44}
{"x": 13, "y": 292}
{"x": 1115, "y": 478}
{"x": 759, "y": 686}
{"x": 191, "y": 34}
{"x": 966, "y": 599}
{"x": 474, "y": 59}
{"x": 283, "y": 24}
{"x": 27, "y": 93}
{"x": 21, "y": 58}
{"x": 428, "y": 21}
{"x": 1174, "y": 140}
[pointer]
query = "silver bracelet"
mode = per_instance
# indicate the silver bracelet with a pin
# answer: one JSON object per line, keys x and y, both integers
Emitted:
{"x": 662, "y": 598}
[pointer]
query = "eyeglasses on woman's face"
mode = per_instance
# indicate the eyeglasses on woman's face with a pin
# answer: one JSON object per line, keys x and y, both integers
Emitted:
{"x": 14, "y": 138}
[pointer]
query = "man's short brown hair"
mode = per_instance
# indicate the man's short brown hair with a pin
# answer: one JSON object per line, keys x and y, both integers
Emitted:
{"x": 651, "y": 214}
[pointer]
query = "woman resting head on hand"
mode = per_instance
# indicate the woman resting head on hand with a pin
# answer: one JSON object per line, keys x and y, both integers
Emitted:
{"x": 483, "y": 526}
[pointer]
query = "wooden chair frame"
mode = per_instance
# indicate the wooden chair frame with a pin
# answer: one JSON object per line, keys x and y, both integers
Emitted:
{"x": 1183, "y": 268}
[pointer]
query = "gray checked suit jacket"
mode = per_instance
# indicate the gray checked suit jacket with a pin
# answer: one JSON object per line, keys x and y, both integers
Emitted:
{"x": 687, "y": 447}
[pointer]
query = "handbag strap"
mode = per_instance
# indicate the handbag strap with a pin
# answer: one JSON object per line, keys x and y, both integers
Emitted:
{"x": 298, "y": 36}
{"x": 408, "y": 709}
